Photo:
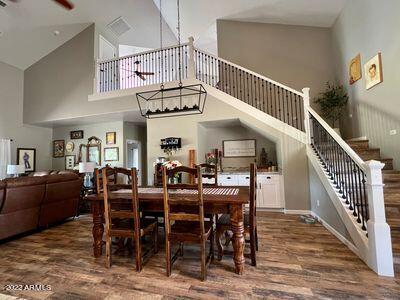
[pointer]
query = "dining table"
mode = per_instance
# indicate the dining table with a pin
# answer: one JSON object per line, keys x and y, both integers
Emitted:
{"x": 217, "y": 200}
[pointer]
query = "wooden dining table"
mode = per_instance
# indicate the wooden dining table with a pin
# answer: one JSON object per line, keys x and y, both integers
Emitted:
{"x": 217, "y": 200}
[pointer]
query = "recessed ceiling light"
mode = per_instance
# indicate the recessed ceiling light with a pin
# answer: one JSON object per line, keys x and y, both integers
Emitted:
{"x": 56, "y": 32}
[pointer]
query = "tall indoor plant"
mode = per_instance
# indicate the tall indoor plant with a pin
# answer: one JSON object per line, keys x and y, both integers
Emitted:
{"x": 332, "y": 103}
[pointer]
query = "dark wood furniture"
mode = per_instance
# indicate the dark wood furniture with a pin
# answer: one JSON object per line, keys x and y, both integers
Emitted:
{"x": 184, "y": 218}
{"x": 124, "y": 221}
{"x": 216, "y": 202}
{"x": 250, "y": 222}
{"x": 209, "y": 172}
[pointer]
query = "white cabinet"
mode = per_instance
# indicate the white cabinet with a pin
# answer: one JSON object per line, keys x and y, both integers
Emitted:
{"x": 269, "y": 187}
{"x": 270, "y": 191}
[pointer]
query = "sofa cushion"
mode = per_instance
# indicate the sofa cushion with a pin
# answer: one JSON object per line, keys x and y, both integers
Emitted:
{"x": 24, "y": 181}
{"x": 2, "y": 193}
{"x": 61, "y": 177}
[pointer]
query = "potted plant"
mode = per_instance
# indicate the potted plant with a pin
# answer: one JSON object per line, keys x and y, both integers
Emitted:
{"x": 332, "y": 103}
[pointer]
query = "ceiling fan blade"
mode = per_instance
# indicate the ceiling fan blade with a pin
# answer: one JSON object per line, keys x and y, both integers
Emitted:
{"x": 147, "y": 73}
{"x": 142, "y": 77}
{"x": 65, "y": 3}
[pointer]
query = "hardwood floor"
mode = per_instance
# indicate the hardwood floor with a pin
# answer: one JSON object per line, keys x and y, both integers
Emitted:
{"x": 295, "y": 261}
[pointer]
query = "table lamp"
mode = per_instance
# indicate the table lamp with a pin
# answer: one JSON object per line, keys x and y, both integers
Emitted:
{"x": 15, "y": 170}
{"x": 87, "y": 168}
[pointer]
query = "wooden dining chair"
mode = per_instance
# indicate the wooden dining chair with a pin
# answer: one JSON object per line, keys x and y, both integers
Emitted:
{"x": 209, "y": 172}
{"x": 98, "y": 176}
{"x": 250, "y": 221}
{"x": 124, "y": 220}
{"x": 184, "y": 218}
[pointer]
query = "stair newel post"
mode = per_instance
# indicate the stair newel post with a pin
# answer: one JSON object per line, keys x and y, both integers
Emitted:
{"x": 306, "y": 105}
{"x": 379, "y": 238}
{"x": 191, "y": 61}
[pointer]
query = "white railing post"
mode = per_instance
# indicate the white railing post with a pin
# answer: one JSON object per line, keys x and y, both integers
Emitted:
{"x": 191, "y": 62}
{"x": 379, "y": 238}
{"x": 306, "y": 105}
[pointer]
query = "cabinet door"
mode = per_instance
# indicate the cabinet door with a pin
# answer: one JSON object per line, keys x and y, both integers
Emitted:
{"x": 243, "y": 180}
{"x": 269, "y": 192}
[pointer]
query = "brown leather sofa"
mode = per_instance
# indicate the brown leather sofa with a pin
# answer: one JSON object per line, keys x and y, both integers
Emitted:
{"x": 27, "y": 203}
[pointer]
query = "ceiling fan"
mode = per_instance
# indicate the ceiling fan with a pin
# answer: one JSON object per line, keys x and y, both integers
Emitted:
{"x": 139, "y": 73}
{"x": 64, "y": 3}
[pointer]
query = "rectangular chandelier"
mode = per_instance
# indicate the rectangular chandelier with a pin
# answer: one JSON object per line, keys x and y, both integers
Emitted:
{"x": 172, "y": 102}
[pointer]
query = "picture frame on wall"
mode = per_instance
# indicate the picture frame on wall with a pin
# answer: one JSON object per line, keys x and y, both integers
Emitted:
{"x": 373, "y": 71}
{"x": 239, "y": 148}
{"x": 27, "y": 158}
{"x": 355, "y": 73}
{"x": 58, "y": 148}
{"x": 111, "y": 154}
{"x": 111, "y": 138}
{"x": 76, "y": 135}
{"x": 69, "y": 162}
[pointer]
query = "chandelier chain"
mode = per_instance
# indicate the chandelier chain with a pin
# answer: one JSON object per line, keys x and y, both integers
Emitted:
{"x": 161, "y": 49}
{"x": 179, "y": 45}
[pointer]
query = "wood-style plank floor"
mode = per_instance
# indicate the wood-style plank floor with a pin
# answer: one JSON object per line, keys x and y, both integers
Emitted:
{"x": 295, "y": 261}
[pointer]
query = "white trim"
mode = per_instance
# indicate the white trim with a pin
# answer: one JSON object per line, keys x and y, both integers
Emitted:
{"x": 103, "y": 39}
{"x": 336, "y": 233}
{"x": 297, "y": 212}
{"x": 140, "y": 169}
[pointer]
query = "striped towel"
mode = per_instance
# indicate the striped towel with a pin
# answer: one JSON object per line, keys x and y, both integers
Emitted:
{"x": 206, "y": 191}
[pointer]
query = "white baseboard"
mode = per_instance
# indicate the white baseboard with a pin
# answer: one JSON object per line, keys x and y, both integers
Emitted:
{"x": 338, "y": 235}
{"x": 296, "y": 212}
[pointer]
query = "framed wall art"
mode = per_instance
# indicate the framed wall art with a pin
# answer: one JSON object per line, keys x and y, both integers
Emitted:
{"x": 27, "y": 157}
{"x": 111, "y": 154}
{"x": 239, "y": 148}
{"x": 355, "y": 69}
{"x": 76, "y": 135}
{"x": 69, "y": 162}
{"x": 111, "y": 138}
{"x": 58, "y": 148}
{"x": 373, "y": 71}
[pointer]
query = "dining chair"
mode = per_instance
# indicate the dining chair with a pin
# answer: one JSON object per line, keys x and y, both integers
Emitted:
{"x": 250, "y": 221}
{"x": 98, "y": 176}
{"x": 209, "y": 172}
{"x": 124, "y": 220}
{"x": 184, "y": 218}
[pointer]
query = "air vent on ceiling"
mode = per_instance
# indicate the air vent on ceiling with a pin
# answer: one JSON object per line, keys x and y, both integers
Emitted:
{"x": 119, "y": 26}
{"x": 2, "y": 4}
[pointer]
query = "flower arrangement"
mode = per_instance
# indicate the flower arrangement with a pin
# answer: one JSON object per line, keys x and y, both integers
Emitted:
{"x": 210, "y": 158}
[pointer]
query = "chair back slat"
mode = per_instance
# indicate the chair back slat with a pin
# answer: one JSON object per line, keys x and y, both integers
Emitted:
{"x": 253, "y": 195}
{"x": 181, "y": 207}
{"x": 98, "y": 174}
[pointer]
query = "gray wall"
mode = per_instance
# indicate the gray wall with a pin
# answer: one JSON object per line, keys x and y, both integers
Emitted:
{"x": 212, "y": 138}
{"x": 297, "y": 56}
{"x": 98, "y": 130}
{"x": 322, "y": 205}
{"x": 11, "y": 124}
{"x": 291, "y": 154}
{"x": 368, "y": 27}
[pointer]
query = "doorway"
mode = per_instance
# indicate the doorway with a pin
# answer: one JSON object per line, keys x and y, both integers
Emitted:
{"x": 134, "y": 158}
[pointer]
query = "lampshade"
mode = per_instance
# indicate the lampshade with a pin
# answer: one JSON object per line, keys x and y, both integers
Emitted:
{"x": 15, "y": 169}
{"x": 87, "y": 167}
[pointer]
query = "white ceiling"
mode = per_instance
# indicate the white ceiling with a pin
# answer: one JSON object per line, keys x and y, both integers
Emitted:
{"x": 27, "y": 26}
{"x": 198, "y": 18}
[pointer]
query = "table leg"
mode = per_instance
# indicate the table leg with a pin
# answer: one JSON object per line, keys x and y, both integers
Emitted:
{"x": 237, "y": 224}
{"x": 98, "y": 228}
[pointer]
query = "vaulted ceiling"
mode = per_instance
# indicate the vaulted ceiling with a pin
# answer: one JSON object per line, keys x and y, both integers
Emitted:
{"x": 198, "y": 18}
{"x": 27, "y": 27}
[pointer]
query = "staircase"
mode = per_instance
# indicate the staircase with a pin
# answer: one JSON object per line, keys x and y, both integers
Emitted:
{"x": 391, "y": 179}
{"x": 351, "y": 177}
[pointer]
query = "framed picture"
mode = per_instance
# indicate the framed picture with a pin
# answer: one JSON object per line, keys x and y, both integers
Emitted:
{"x": 239, "y": 148}
{"x": 111, "y": 154}
{"x": 355, "y": 69}
{"x": 58, "y": 148}
{"x": 93, "y": 154}
{"x": 111, "y": 138}
{"x": 373, "y": 71}
{"x": 69, "y": 162}
{"x": 76, "y": 135}
{"x": 27, "y": 157}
